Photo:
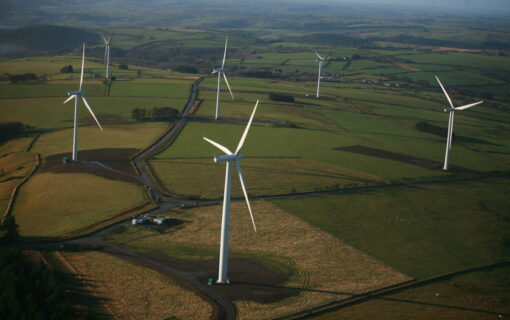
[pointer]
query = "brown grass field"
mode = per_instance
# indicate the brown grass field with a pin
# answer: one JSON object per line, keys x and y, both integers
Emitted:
{"x": 136, "y": 136}
{"x": 15, "y": 145}
{"x": 134, "y": 292}
{"x": 320, "y": 261}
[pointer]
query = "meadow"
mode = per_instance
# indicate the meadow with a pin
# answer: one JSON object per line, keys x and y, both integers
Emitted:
{"x": 282, "y": 237}
{"x": 477, "y": 295}
{"x": 422, "y": 231}
{"x": 121, "y": 283}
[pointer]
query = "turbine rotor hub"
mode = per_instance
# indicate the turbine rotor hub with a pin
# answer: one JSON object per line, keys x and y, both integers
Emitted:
{"x": 76, "y": 93}
{"x": 230, "y": 157}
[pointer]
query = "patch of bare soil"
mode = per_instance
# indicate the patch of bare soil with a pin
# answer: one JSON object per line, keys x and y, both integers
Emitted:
{"x": 460, "y": 49}
{"x": 117, "y": 159}
{"x": 378, "y": 153}
{"x": 406, "y": 67}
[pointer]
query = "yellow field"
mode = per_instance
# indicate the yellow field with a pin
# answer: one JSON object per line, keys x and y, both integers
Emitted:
{"x": 15, "y": 145}
{"x": 323, "y": 262}
{"x": 263, "y": 176}
{"x": 135, "y": 292}
{"x": 91, "y": 137}
{"x": 52, "y": 204}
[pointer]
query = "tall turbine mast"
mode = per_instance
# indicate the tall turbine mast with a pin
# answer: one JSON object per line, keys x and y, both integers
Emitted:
{"x": 230, "y": 157}
{"x": 320, "y": 60}
{"x": 221, "y": 72}
{"x": 107, "y": 55}
{"x": 451, "y": 117}
{"x": 76, "y": 95}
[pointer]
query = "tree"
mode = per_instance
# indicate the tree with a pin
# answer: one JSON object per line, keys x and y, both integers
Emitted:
{"x": 67, "y": 69}
{"x": 123, "y": 66}
{"x": 136, "y": 114}
{"x": 11, "y": 230}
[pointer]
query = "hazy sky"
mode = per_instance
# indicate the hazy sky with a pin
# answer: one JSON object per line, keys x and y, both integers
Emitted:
{"x": 453, "y": 6}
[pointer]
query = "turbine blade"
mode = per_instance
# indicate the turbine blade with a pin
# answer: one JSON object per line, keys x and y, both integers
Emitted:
{"x": 105, "y": 53}
{"x": 82, "y": 66}
{"x": 228, "y": 86}
{"x": 446, "y": 93}
{"x": 70, "y": 98}
{"x": 469, "y": 105}
{"x": 91, "y": 112}
{"x": 240, "y": 173}
{"x": 219, "y": 146}
{"x": 241, "y": 142}
{"x": 224, "y": 53}
{"x": 318, "y": 56}
{"x": 105, "y": 41}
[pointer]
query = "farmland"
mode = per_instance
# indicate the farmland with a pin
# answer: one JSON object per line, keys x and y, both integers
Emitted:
{"x": 347, "y": 189}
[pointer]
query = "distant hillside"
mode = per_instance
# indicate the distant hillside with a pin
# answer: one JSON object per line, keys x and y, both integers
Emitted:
{"x": 43, "y": 39}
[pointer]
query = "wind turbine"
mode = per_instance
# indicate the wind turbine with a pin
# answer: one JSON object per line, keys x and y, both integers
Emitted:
{"x": 225, "y": 219}
{"x": 451, "y": 111}
{"x": 320, "y": 60}
{"x": 74, "y": 95}
{"x": 220, "y": 72}
{"x": 107, "y": 55}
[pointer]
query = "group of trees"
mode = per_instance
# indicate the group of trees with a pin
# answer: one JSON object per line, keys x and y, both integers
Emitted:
{"x": 10, "y": 130}
{"x": 22, "y": 77}
{"x": 67, "y": 69}
{"x": 155, "y": 114}
{"x": 29, "y": 290}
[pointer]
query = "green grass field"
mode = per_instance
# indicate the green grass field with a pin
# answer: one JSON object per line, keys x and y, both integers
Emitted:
{"x": 422, "y": 231}
{"x": 55, "y": 204}
{"x": 473, "y": 296}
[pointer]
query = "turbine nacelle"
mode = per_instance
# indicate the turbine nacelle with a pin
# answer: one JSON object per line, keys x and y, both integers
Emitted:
{"x": 229, "y": 157}
{"x": 76, "y": 93}
{"x": 218, "y": 70}
{"x": 449, "y": 109}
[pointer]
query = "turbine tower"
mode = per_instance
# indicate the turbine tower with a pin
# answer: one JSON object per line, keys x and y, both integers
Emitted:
{"x": 220, "y": 72}
{"x": 107, "y": 55}
{"x": 74, "y": 95}
{"x": 451, "y": 111}
{"x": 225, "y": 219}
{"x": 320, "y": 60}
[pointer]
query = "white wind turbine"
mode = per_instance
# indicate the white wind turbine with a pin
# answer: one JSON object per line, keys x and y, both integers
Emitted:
{"x": 451, "y": 111}
{"x": 225, "y": 219}
{"x": 107, "y": 55}
{"x": 220, "y": 72}
{"x": 74, "y": 95}
{"x": 320, "y": 60}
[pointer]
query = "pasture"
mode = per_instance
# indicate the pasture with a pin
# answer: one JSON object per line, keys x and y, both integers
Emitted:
{"x": 473, "y": 296}
{"x": 422, "y": 231}
{"x": 283, "y": 244}
{"x": 55, "y": 204}
{"x": 119, "y": 284}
